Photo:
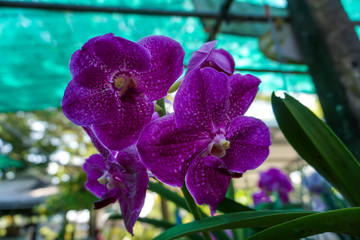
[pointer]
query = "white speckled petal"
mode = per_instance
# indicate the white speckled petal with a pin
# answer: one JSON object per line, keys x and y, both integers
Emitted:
{"x": 112, "y": 54}
{"x": 124, "y": 128}
{"x": 135, "y": 179}
{"x": 242, "y": 93}
{"x": 202, "y": 100}
{"x": 206, "y": 185}
{"x": 249, "y": 144}
{"x": 89, "y": 98}
{"x": 168, "y": 151}
{"x": 167, "y": 58}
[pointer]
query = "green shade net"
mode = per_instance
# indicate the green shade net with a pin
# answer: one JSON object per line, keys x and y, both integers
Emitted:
{"x": 36, "y": 46}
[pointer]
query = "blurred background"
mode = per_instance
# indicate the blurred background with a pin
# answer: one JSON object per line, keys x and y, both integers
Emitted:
{"x": 42, "y": 193}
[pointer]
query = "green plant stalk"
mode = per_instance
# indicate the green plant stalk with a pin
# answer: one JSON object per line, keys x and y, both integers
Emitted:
{"x": 231, "y": 191}
{"x": 175, "y": 86}
{"x": 231, "y": 194}
{"x": 194, "y": 209}
{"x": 161, "y": 104}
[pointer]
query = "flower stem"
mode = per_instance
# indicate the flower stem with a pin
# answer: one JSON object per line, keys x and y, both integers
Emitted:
{"x": 194, "y": 209}
{"x": 161, "y": 104}
{"x": 175, "y": 86}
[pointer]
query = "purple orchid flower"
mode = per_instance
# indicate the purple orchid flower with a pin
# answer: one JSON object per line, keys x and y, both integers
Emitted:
{"x": 117, "y": 176}
{"x": 261, "y": 197}
{"x": 207, "y": 140}
{"x": 207, "y": 56}
{"x": 274, "y": 180}
{"x": 115, "y": 81}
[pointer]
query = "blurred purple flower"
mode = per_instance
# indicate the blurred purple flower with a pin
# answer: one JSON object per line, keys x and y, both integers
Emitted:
{"x": 117, "y": 176}
{"x": 207, "y": 140}
{"x": 261, "y": 197}
{"x": 316, "y": 183}
{"x": 317, "y": 204}
{"x": 274, "y": 180}
{"x": 115, "y": 81}
{"x": 208, "y": 56}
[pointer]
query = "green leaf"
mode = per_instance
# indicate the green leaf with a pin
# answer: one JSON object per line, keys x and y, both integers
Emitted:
{"x": 254, "y": 219}
{"x": 231, "y": 191}
{"x": 231, "y": 195}
{"x": 168, "y": 194}
{"x": 226, "y": 206}
{"x": 229, "y": 206}
{"x": 154, "y": 222}
{"x": 345, "y": 221}
{"x": 319, "y": 146}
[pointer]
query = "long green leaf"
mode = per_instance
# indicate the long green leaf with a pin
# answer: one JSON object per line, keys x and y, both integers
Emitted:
{"x": 226, "y": 206}
{"x": 319, "y": 146}
{"x": 253, "y": 219}
{"x": 169, "y": 195}
{"x": 345, "y": 221}
{"x": 155, "y": 222}
{"x": 179, "y": 201}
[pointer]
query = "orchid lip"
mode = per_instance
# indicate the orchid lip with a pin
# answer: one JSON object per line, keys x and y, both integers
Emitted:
{"x": 218, "y": 146}
{"x": 123, "y": 83}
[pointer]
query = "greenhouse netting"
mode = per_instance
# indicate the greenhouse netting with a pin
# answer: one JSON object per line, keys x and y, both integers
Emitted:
{"x": 36, "y": 44}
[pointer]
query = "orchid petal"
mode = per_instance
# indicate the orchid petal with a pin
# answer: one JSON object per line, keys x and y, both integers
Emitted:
{"x": 167, "y": 58}
{"x": 155, "y": 116}
{"x": 221, "y": 60}
{"x": 136, "y": 181}
{"x": 207, "y": 56}
{"x": 168, "y": 151}
{"x": 103, "y": 150}
{"x": 108, "y": 198}
{"x": 124, "y": 129}
{"x": 127, "y": 179}
{"x": 206, "y": 184}
{"x": 111, "y": 54}
{"x": 199, "y": 57}
{"x": 202, "y": 100}
{"x": 94, "y": 167}
{"x": 89, "y": 98}
{"x": 249, "y": 144}
{"x": 214, "y": 162}
{"x": 76, "y": 65}
{"x": 242, "y": 93}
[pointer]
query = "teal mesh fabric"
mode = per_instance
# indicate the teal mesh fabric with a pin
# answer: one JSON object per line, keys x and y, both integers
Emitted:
{"x": 36, "y": 46}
